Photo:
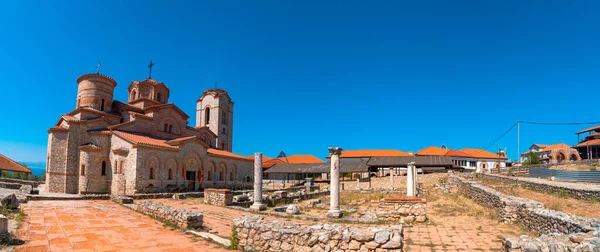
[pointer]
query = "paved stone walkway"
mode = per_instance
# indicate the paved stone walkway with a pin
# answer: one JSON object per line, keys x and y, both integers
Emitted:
{"x": 99, "y": 226}
{"x": 460, "y": 234}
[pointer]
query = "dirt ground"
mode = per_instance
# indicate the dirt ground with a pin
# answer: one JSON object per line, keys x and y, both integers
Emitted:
{"x": 589, "y": 209}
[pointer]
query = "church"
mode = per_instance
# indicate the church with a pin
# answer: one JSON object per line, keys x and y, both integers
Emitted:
{"x": 144, "y": 145}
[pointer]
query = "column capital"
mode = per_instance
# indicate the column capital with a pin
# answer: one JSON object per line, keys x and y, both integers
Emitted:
{"x": 335, "y": 151}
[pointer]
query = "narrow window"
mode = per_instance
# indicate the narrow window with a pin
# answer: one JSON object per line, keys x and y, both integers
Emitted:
{"x": 221, "y": 175}
{"x": 115, "y": 171}
{"x": 206, "y": 116}
{"x": 151, "y": 172}
{"x": 82, "y": 170}
{"x": 121, "y": 170}
{"x": 231, "y": 175}
{"x": 209, "y": 175}
{"x": 170, "y": 128}
{"x": 103, "y": 168}
{"x": 102, "y": 105}
{"x": 158, "y": 97}
{"x": 166, "y": 127}
{"x": 170, "y": 174}
{"x": 133, "y": 95}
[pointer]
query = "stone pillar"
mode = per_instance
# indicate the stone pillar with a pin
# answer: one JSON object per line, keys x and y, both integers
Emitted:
{"x": 258, "y": 170}
{"x": 3, "y": 224}
{"x": 334, "y": 204}
{"x": 410, "y": 179}
{"x": 358, "y": 184}
{"x": 391, "y": 178}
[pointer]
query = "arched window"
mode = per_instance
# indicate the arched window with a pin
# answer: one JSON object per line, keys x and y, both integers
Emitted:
{"x": 166, "y": 127}
{"x": 102, "y": 105}
{"x": 223, "y": 145}
{"x": 103, "y": 168}
{"x": 170, "y": 174}
{"x": 170, "y": 128}
{"x": 158, "y": 97}
{"x": 133, "y": 94}
{"x": 82, "y": 170}
{"x": 224, "y": 117}
{"x": 221, "y": 174}
{"x": 231, "y": 175}
{"x": 206, "y": 116}
{"x": 115, "y": 171}
{"x": 121, "y": 167}
{"x": 151, "y": 172}
{"x": 209, "y": 175}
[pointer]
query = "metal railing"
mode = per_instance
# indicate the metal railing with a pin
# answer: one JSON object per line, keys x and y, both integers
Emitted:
{"x": 577, "y": 176}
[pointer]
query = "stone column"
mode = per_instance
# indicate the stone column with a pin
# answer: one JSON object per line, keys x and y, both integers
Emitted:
{"x": 3, "y": 224}
{"x": 334, "y": 188}
{"x": 358, "y": 184}
{"x": 258, "y": 170}
{"x": 410, "y": 180}
{"x": 391, "y": 178}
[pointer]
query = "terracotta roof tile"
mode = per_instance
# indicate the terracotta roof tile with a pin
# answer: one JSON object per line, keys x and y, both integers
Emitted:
{"x": 479, "y": 153}
{"x": 374, "y": 153}
{"x": 8, "y": 164}
{"x": 301, "y": 159}
{"x": 432, "y": 151}
{"x": 224, "y": 153}
{"x": 144, "y": 139}
{"x": 595, "y": 128}
{"x": 555, "y": 146}
{"x": 456, "y": 153}
{"x": 590, "y": 142}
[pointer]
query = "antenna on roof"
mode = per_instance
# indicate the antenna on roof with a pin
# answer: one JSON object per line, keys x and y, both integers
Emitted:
{"x": 283, "y": 155}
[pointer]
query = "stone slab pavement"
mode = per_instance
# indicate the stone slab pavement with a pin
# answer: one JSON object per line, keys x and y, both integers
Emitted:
{"x": 99, "y": 226}
{"x": 461, "y": 235}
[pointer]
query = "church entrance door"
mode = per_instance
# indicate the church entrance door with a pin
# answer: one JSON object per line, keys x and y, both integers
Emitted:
{"x": 190, "y": 176}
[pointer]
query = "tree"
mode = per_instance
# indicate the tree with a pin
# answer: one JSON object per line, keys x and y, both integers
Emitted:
{"x": 532, "y": 159}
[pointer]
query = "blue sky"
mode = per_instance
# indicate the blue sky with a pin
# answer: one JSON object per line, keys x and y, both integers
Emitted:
{"x": 305, "y": 75}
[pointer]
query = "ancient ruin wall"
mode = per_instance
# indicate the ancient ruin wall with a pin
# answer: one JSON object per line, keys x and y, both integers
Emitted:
{"x": 529, "y": 213}
{"x": 402, "y": 210}
{"x": 185, "y": 219}
{"x": 256, "y": 234}
{"x": 218, "y": 197}
{"x": 572, "y": 190}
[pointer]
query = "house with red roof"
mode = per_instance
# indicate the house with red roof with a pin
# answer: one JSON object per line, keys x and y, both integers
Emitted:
{"x": 468, "y": 158}
{"x": 552, "y": 153}
{"x": 7, "y": 164}
{"x": 589, "y": 146}
{"x": 144, "y": 144}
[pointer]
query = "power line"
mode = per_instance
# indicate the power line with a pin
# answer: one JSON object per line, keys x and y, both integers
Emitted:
{"x": 498, "y": 138}
{"x": 560, "y": 123}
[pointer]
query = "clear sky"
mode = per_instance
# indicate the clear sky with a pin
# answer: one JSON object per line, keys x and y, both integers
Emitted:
{"x": 305, "y": 75}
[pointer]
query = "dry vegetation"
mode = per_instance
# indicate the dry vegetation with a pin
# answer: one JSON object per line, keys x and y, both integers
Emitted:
{"x": 560, "y": 202}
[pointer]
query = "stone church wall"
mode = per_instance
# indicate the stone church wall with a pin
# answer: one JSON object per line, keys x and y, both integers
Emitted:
{"x": 55, "y": 174}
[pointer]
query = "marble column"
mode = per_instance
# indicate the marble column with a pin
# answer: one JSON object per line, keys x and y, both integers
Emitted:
{"x": 358, "y": 184}
{"x": 334, "y": 184}
{"x": 258, "y": 170}
{"x": 410, "y": 180}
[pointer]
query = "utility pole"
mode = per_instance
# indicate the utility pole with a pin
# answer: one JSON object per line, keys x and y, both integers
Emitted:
{"x": 519, "y": 141}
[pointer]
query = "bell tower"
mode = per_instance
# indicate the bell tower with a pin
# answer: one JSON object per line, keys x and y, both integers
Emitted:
{"x": 214, "y": 109}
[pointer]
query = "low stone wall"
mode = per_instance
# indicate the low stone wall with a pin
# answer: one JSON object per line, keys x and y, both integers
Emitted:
{"x": 271, "y": 202}
{"x": 573, "y": 190}
{"x": 529, "y": 213}
{"x": 256, "y": 234}
{"x": 553, "y": 242}
{"x": 218, "y": 197}
{"x": 32, "y": 183}
{"x": 10, "y": 185}
{"x": 402, "y": 210}
{"x": 165, "y": 195}
{"x": 185, "y": 219}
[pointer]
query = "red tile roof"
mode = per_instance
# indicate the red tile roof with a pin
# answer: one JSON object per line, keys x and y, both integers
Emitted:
{"x": 595, "y": 128}
{"x": 432, "y": 151}
{"x": 224, "y": 153}
{"x": 374, "y": 153}
{"x": 456, "y": 153}
{"x": 7, "y": 164}
{"x": 144, "y": 140}
{"x": 301, "y": 159}
{"x": 555, "y": 146}
{"x": 479, "y": 153}
{"x": 590, "y": 142}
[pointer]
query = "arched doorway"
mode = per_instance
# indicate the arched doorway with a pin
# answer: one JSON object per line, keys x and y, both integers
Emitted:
{"x": 573, "y": 157}
{"x": 193, "y": 173}
{"x": 560, "y": 157}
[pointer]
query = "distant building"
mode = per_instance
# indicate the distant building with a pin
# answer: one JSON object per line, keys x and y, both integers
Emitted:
{"x": 268, "y": 163}
{"x": 7, "y": 164}
{"x": 589, "y": 146}
{"x": 469, "y": 159}
{"x": 552, "y": 154}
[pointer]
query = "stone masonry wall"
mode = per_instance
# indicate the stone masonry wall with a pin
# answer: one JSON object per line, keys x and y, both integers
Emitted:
{"x": 529, "y": 213}
{"x": 573, "y": 190}
{"x": 402, "y": 210}
{"x": 256, "y": 234}
{"x": 218, "y": 197}
{"x": 185, "y": 219}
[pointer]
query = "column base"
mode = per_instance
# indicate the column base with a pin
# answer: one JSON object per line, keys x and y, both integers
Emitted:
{"x": 258, "y": 207}
{"x": 334, "y": 214}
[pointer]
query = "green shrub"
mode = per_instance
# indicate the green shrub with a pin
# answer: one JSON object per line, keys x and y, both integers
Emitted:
{"x": 233, "y": 239}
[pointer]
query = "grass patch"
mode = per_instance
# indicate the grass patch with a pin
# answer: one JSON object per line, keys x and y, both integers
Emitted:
{"x": 233, "y": 239}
